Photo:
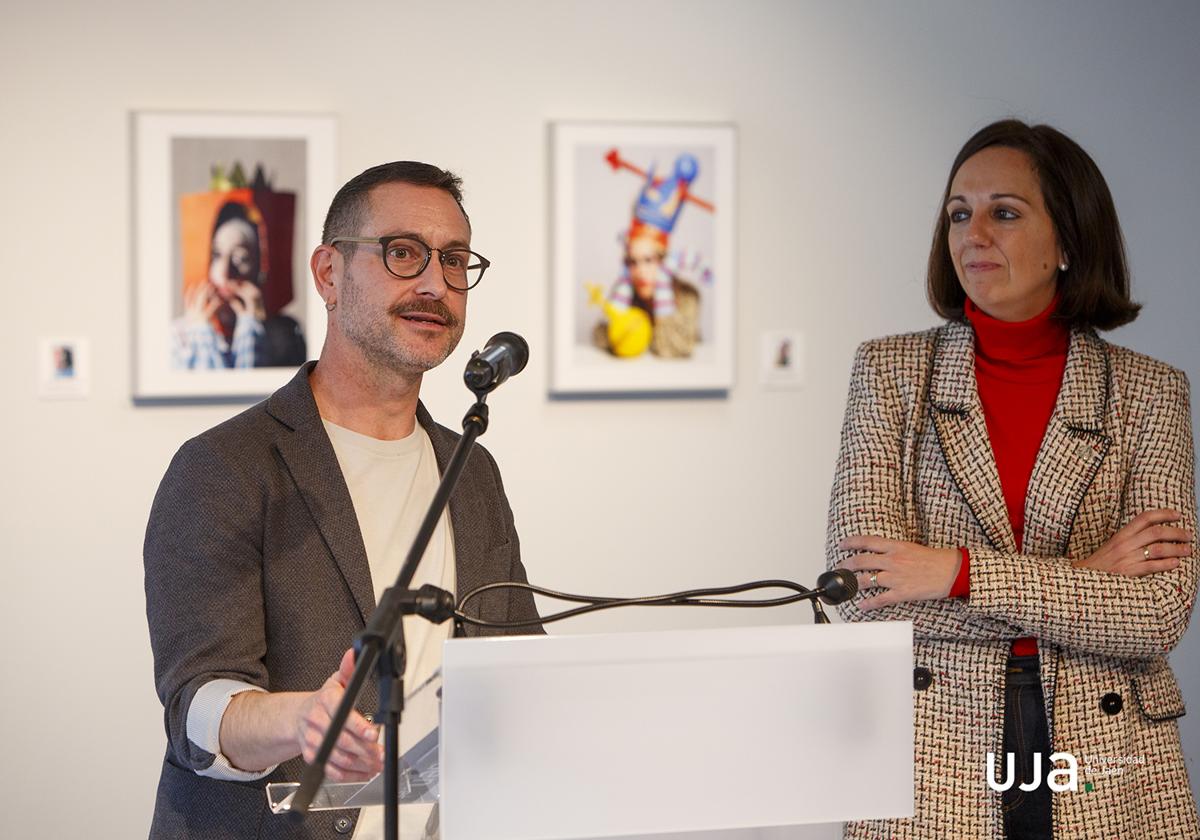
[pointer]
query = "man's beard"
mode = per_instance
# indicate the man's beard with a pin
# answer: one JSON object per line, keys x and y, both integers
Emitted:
{"x": 376, "y": 336}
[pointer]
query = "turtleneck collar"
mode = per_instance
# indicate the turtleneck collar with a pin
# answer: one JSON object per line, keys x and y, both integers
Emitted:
{"x": 1018, "y": 342}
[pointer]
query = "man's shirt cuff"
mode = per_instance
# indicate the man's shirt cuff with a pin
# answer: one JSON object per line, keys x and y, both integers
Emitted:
{"x": 204, "y": 728}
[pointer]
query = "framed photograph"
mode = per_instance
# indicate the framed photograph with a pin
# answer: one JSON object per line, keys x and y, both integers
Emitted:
{"x": 643, "y": 265}
{"x": 227, "y": 209}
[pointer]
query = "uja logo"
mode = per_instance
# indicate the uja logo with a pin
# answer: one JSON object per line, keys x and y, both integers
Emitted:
{"x": 1070, "y": 771}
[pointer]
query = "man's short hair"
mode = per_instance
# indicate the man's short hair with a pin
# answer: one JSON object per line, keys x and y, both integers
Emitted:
{"x": 349, "y": 209}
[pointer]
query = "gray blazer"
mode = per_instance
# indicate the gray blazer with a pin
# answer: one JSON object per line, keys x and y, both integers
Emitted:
{"x": 256, "y": 571}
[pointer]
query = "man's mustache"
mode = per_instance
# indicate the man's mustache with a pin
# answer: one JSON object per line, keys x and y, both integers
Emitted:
{"x": 428, "y": 307}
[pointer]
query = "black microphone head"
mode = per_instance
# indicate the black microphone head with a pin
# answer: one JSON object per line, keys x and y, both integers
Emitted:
{"x": 504, "y": 355}
{"x": 837, "y": 586}
{"x": 518, "y": 348}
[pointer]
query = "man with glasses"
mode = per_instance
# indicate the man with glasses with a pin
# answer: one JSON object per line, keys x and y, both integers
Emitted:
{"x": 274, "y": 534}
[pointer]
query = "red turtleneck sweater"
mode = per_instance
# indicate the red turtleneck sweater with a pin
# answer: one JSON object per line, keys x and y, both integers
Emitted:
{"x": 1018, "y": 369}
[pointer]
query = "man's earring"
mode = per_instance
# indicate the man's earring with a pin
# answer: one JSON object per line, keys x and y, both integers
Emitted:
{"x": 329, "y": 307}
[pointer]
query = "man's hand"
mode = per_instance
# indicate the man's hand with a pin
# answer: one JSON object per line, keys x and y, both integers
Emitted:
{"x": 261, "y": 729}
{"x": 358, "y": 755}
{"x": 903, "y": 571}
{"x": 1148, "y": 544}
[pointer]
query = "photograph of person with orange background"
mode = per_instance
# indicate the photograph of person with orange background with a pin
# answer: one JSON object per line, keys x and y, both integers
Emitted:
{"x": 235, "y": 246}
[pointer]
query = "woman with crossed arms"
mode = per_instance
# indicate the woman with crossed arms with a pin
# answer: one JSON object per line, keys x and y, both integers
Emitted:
{"x": 1023, "y": 492}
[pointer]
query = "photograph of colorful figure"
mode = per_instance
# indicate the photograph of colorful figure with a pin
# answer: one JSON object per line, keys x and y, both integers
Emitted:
{"x": 225, "y": 323}
{"x": 655, "y": 302}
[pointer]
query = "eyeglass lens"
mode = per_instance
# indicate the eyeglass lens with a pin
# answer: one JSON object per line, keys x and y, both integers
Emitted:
{"x": 408, "y": 257}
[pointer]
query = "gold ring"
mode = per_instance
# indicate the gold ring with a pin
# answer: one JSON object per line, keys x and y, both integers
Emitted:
{"x": 874, "y": 578}
{"x": 1146, "y": 552}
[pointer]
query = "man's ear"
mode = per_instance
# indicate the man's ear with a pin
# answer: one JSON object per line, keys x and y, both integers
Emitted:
{"x": 323, "y": 264}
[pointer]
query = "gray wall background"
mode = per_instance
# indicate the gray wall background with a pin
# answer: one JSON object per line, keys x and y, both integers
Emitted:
{"x": 848, "y": 115}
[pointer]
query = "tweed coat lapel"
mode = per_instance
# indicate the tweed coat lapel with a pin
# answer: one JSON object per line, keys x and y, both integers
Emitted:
{"x": 1072, "y": 450}
{"x": 1070, "y": 456}
{"x": 309, "y": 457}
{"x": 469, "y": 518}
{"x": 962, "y": 433}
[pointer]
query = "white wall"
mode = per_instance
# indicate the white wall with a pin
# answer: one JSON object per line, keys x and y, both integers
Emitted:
{"x": 848, "y": 115}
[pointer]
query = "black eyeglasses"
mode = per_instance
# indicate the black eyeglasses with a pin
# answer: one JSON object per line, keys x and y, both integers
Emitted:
{"x": 406, "y": 258}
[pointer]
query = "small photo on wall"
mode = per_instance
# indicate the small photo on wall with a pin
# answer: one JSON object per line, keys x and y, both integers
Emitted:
{"x": 643, "y": 285}
{"x": 782, "y": 359}
{"x": 64, "y": 367}
{"x": 228, "y": 208}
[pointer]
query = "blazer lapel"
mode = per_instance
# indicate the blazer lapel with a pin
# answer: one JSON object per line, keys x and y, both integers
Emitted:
{"x": 962, "y": 433}
{"x": 1072, "y": 450}
{"x": 310, "y": 459}
{"x": 468, "y": 519}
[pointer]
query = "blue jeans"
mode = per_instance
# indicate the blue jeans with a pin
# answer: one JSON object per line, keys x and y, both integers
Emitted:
{"x": 1027, "y": 814}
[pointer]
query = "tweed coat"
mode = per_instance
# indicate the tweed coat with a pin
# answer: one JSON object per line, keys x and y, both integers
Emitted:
{"x": 256, "y": 571}
{"x": 916, "y": 465}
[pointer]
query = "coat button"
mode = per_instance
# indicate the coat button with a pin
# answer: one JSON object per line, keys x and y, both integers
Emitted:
{"x": 1111, "y": 703}
{"x": 343, "y": 825}
{"x": 922, "y": 678}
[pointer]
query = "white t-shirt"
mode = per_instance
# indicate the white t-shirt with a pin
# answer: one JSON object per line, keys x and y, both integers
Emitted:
{"x": 391, "y": 484}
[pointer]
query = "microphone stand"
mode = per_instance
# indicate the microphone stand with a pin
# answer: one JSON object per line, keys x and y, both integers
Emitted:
{"x": 381, "y": 645}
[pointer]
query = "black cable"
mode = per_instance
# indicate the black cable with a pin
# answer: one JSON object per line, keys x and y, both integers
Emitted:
{"x": 685, "y": 598}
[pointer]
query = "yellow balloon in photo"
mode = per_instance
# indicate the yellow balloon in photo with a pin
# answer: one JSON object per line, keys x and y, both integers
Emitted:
{"x": 628, "y": 332}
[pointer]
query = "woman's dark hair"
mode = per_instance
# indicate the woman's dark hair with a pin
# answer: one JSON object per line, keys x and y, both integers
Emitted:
{"x": 234, "y": 210}
{"x": 1094, "y": 291}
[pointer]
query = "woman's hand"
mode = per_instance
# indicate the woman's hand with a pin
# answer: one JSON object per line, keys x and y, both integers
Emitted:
{"x": 247, "y": 300}
{"x": 1148, "y": 544}
{"x": 904, "y": 571}
{"x": 200, "y": 304}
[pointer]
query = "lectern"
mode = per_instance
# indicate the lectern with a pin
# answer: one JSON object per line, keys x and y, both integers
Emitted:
{"x": 550, "y": 738}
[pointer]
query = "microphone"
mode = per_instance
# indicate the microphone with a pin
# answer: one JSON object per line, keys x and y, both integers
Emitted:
{"x": 503, "y": 356}
{"x": 836, "y": 586}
